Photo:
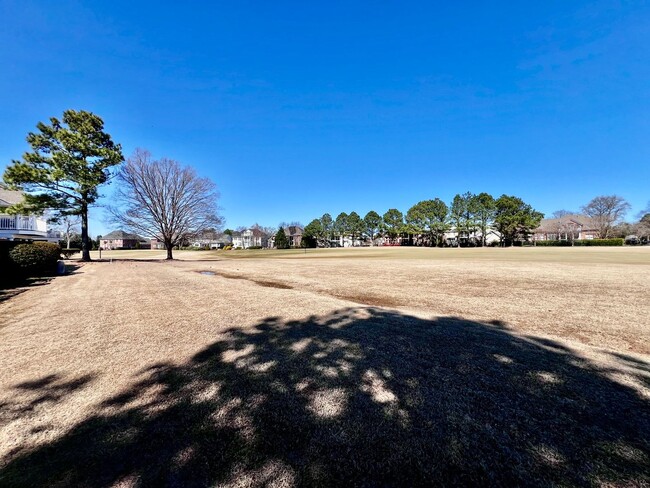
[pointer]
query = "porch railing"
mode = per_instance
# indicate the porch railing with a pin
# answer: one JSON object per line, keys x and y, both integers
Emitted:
{"x": 22, "y": 222}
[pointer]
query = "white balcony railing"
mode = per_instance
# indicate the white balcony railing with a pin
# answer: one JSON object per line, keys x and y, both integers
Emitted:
{"x": 22, "y": 222}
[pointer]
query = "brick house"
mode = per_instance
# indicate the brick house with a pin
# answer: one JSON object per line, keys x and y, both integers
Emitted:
{"x": 294, "y": 236}
{"x": 118, "y": 239}
{"x": 567, "y": 228}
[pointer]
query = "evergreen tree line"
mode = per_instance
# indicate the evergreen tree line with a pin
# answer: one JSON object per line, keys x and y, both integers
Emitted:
{"x": 426, "y": 222}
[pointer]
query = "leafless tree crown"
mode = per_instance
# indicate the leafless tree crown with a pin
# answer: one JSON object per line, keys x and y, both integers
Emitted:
{"x": 606, "y": 211}
{"x": 163, "y": 199}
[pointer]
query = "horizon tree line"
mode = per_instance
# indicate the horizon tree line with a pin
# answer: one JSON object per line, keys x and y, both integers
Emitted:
{"x": 471, "y": 216}
{"x": 426, "y": 222}
{"x": 72, "y": 157}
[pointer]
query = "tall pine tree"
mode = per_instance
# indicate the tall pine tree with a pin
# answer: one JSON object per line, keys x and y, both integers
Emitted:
{"x": 69, "y": 160}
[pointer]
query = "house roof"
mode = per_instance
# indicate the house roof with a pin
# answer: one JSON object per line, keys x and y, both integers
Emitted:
{"x": 258, "y": 233}
{"x": 10, "y": 197}
{"x": 120, "y": 234}
{"x": 552, "y": 225}
{"x": 254, "y": 232}
{"x": 293, "y": 230}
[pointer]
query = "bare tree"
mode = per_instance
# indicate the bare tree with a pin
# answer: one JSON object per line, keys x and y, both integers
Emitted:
{"x": 558, "y": 214}
{"x": 606, "y": 211}
{"x": 644, "y": 213}
{"x": 68, "y": 225}
{"x": 642, "y": 227}
{"x": 164, "y": 200}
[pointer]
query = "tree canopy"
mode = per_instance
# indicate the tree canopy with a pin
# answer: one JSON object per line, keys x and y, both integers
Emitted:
{"x": 163, "y": 199}
{"x": 341, "y": 224}
{"x": 281, "y": 241}
{"x": 70, "y": 159}
{"x": 515, "y": 219}
{"x": 393, "y": 221}
{"x": 606, "y": 211}
{"x": 485, "y": 207}
{"x": 372, "y": 225}
{"x": 429, "y": 216}
{"x": 313, "y": 234}
{"x": 355, "y": 225}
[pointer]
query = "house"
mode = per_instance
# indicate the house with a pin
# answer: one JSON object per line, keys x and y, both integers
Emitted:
{"x": 21, "y": 227}
{"x": 567, "y": 228}
{"x": 118, "y": 239}
{"x": 451, "y": 238}
{"x": 294, "y": 236}
{"x": 211, "y": 240}
{"x": 156, "y": 244}
{"x": 250, "y": 237}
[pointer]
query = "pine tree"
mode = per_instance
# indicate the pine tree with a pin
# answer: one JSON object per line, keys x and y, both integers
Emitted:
{"x": 70, "y": 159}
{"x": 281, "y": 241}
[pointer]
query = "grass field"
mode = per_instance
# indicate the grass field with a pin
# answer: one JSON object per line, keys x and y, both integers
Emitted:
{"x": 398, "y": 366}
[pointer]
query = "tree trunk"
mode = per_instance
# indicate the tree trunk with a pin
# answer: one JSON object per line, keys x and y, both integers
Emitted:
{"x": 169, "y": 247}
{"x": 85, "y": 248}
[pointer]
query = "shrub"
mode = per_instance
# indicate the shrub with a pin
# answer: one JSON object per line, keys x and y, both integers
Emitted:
{"x": 583, "y": 242}
{"x": 67, "y": 253}
{"x": 553, "y": 243}
{"x": 35, "y": 258}
{"x": 255, "y": 247}
{"x": 617, "y": 241}
{"x": 5, "y": 261}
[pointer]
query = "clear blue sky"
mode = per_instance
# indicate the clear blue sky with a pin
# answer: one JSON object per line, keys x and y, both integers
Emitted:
{"x": 299, "y": 108}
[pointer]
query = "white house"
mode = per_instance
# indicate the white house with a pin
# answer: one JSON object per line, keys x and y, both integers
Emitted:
{"x": 210, "y": 240}
{"x": 250, "y": 237}
{"x": 18, "y": 227}
{"x": 491, "y": 236}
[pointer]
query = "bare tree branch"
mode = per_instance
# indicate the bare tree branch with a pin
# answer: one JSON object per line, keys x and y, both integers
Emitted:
{"x": 164, "y": 200}
{"x": 606, "y": 211}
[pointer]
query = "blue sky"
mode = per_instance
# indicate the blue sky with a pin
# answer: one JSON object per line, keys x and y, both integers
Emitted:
{"x": 295, "y": 109}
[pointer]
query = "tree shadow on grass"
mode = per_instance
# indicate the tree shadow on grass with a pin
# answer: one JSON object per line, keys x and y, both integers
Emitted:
{"x": 49, "y": 389}
{"x": 363, "y": 397}
{"x": 14, "y": 285}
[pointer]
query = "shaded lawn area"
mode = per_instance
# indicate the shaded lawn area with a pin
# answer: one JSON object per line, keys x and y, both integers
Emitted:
{"x": 12, "y": 285}
{"x": 363, "y": 397}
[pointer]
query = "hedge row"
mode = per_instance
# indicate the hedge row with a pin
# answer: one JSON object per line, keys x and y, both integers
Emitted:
{"x": 584, "y": 242}
{"x": 33, "y": 259}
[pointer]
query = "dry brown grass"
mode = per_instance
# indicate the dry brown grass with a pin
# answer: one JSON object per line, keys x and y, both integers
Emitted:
{"x": 492, "y": 368}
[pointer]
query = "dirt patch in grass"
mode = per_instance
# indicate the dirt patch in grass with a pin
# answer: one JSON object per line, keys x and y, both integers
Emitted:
{"x": 374, "y": 301}
{"x": 265, "y": 283}
{"x": 273, "y": 284}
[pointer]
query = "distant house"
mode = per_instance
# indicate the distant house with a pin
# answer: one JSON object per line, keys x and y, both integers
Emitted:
{"x": 21, "y": 227}
{"x": 294, "y": 236}
{"x": 156, "y": 244}
{"x": 211, "y": 240}
{"x": 569, "y": 227}
{"x": 249, "y": 238}
{"x": 118, "y": 239}
{"x": 453, "y": 239}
